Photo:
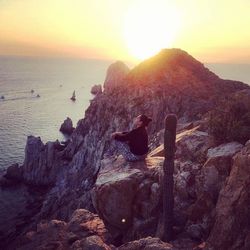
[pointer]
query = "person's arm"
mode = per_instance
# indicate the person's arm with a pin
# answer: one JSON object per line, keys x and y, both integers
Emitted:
{"x": 124, "y": 136}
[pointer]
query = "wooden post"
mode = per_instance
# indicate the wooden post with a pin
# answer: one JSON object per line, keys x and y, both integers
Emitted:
{"x": 168, "y": 180}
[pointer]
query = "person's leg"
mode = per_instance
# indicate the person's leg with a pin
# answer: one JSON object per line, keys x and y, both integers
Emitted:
{"x": 124, "y": 150}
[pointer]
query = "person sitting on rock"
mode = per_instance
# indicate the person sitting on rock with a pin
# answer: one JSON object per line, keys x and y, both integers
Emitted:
{"x": 133, "y": 145}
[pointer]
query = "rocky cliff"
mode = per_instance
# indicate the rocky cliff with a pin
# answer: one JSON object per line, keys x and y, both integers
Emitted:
{"x": 171, "y": 81}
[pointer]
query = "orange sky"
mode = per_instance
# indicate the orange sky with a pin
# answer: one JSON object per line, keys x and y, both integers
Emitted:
{"x": 212, "y": 31}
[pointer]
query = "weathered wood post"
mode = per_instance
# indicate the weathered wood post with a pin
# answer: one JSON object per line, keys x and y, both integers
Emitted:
{"x": 168, "y": 180}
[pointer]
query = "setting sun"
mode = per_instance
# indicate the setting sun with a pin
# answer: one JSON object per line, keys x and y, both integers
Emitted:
{"x": 149, "y": 27}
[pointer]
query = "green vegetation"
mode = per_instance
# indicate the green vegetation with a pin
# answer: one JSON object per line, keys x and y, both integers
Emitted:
{"x": 230, "y": 121}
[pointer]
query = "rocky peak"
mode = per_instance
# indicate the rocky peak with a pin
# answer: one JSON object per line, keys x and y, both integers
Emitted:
{"x": 175, "y": 68}
{"x": 115, "y": 74}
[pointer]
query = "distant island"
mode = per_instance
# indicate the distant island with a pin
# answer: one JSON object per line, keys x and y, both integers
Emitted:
{"x": 87, "y": 197}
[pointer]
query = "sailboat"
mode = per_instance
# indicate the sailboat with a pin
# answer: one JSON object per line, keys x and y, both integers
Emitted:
{"x": 73, "y": 97}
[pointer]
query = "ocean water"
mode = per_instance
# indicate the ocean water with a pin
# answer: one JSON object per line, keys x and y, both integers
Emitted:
{"x": 239, "y": 72}
{"x": 23, "y": 114}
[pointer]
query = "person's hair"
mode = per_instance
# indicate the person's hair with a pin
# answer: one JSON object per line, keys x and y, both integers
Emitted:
{"x": 145, "y": 120}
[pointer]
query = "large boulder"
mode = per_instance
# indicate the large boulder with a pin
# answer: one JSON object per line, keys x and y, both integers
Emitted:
{"x": 217, "y": 167}
{"x": 208, "y": 183}
{"x": 192, "y": 144}
{"x": 231, "y": 229}
{"x": 67, "y": 126}
{"x": 127, "y": 195}
{"x": 226, "y": 149}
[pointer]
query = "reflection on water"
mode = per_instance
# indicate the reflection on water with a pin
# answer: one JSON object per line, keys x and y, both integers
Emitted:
{"x": 22, "y": 113}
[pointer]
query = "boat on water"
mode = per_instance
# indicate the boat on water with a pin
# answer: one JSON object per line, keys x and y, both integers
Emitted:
{"x": 73, "y": 97}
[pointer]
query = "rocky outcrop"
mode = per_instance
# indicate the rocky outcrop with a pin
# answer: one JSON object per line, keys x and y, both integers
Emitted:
{"x": 41, "y": 162}
{"x": 231, "y": 227}
{"x": 126, "y": 197}
{"x": 218, "y": 167}
{"x": 116, "y": 73}
{"x": 84, "y": 231}
{"x": 209, "y": 181}
{"x": 183, "y": 86}
{"x": 67, "y": 126}
{"x": 96, "y": 89}
{"x": 14, "y": 172}
{"x": 175, "y": 78}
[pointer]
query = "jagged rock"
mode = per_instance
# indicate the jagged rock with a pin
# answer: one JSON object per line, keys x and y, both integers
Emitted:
{"x": 148, "y": 243}
{"x": 217, "y": 167}
{"x": 14, "y": 172}
{"x": 84, "y": 231}
{"x": 231, "y": 228}
{"x": 40, "y": 164}
{"x": 83, "y": 223}
{"x": 209, "y": 181}
{"x": 96, "y": 89}
{"x": 67, "y": 126}
{"x": 115, "y": 75}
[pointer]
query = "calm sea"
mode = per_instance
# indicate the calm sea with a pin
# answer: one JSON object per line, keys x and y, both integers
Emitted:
{"x": 23, "y": 114}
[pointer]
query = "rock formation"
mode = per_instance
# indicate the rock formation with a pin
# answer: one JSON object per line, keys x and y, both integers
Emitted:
{"x": 231, "y": 227}
{"x": 96, "y": 89}
{"x": 128, "y": 198}
{"x": 40, "y": 165}
{"x": 116, "y": 73}
{"x": 67, "y": 127}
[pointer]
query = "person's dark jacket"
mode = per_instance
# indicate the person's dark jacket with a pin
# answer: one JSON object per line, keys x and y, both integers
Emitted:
{"x": 137, "y": 140}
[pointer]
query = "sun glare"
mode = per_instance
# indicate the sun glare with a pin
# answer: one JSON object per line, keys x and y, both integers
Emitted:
{"x": 150, "y": 26}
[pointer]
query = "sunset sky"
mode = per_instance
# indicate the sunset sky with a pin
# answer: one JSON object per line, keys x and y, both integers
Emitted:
{"x": 211, "y": 31}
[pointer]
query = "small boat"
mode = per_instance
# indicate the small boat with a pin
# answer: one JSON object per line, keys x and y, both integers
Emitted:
{"x": 73, "y": 97}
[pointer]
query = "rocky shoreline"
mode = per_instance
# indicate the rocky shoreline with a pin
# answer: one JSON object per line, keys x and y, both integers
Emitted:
{"x": 91, "y": 199}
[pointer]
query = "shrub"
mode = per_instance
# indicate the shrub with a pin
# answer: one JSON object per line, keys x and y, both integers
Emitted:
{"x": 230, "y": 121}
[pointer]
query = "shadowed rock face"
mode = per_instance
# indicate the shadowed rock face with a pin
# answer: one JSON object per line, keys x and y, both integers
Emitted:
{"x": 41, "y": 163}
{"x": 67, "y": 127}
{"x": 231, "y": 229}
